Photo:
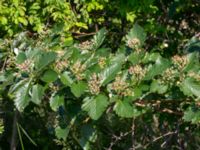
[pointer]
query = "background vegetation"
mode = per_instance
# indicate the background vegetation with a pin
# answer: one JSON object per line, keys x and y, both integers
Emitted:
{"x": 99, "y": 74}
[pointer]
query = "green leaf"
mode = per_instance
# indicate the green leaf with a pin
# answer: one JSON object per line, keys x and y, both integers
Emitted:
{"x": 158, "y": 68}
{"x": 78, "y": 88}
{"x": 37, "y": 93}
{"x": 119, "y": 58}
{"x": 99, "y": 38}
{"x": 62, "y": 133}
{"x": 22, "y": 96}
{"x": 95, "y": 106}
{"x": 17, "y": 85}
{"x": 125, "y": 109}
{"x": 137, "y": 32}
{"x": 135, "y": 57}
{"x": 44, "y": 59}
{"x": 193, "y": 62}
{"x": 157, "y": 87}
{"x": 68, "y": 41}
{"x": 23, "y": 21}
{"x": 56, "y": 101}
{"x": 88, "y": 132}
{"x": 190, "y": 87}
{"x": 49, "y": 76}
{"x": 3, "y": 20}
{"x": 109, "y": 73}
{"x": 151, "y": 57}
{"x": 75, "y": 54}
{"x": 21, "y": 57}
{"x": 192, "y": 115}
{"x": 88, "y": 135}
{"x": 66, "y": 79}
{"x": 137, "y": 93}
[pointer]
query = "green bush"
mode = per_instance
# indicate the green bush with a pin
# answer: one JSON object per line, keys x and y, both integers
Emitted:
{"x": 131, "y": 86}
{"x": 85, "y": 79}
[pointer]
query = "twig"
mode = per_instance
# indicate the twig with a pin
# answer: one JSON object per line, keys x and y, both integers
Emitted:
{"x": 160, "y": 137}
{"x": 171, "y": 111}
{"x": 164, "y": 135}
{"x": 13, "y": 145}
{"x": 78, "y": 35}
{"x": 4, "y": 64}
{"x": 118, "y": 138}
{"x": 133, "y": 134}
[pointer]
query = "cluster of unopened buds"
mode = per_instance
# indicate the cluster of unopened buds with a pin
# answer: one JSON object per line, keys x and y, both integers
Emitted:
{"x": 179, "y": 61}
{"x": 194, "y": 75}
{"x": 102, "y": 62}
{"x": 25, "y": 66}
{"x": 40, "y": 111}
{"x": 94, "y": 84}
{"x": 133, "y": 43}
{"x": 61, "y": 64}
{"x": 78, "y": 70}
{"x": 121, "y": 87}
{"x": 86, "y": 45}
{"x": 169, "y": 75}
{"x": 60, "y": 142}
{"x": 138, "y": 71}
{"x": 51, "y": 120}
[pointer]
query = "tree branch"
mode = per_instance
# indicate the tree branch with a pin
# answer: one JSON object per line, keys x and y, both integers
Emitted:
{"x": 13, "y": 145}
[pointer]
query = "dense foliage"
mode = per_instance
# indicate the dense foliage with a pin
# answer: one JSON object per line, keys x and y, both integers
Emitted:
{"x": 101, "y": 74}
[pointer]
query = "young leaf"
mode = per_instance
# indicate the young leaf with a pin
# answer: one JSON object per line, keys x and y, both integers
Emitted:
{"x": 95, "y": 106}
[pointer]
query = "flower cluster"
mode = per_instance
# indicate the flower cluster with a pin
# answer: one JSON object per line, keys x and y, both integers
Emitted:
{"x": 61, "y": 65}
{"x": 52, "y": 120}
{"x": 87, "y": 45}
{"x": 25, "y": 66}
{"x": 194, "y": 75}
{"x": 180, "y": 61}
{"x": 169, "y": 75}
{"x": 78, "y": 70}
{"x": 138, "y": 71}
{"x": 94, "y": 84}
{"x": 121, "y": 87}
{"x": 102, "y": 62}
{"x": 133, "y": 43}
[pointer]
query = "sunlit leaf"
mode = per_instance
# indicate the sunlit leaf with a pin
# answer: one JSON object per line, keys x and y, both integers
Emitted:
{"x": 95, "y": 106}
